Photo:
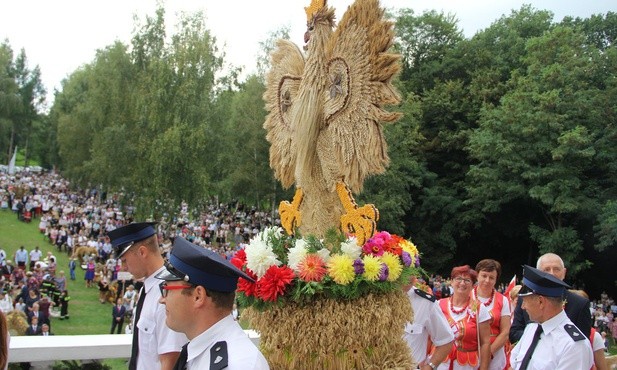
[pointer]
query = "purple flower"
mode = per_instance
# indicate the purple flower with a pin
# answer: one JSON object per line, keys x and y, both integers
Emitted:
{"x": 383, "y": 273}
{"x": 358, "y": 266}
{"x": 406, "y": 257}
{"x": 417, "y": 260}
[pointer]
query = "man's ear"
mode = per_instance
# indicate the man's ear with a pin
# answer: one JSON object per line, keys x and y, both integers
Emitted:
{"x": 199, "y": 296}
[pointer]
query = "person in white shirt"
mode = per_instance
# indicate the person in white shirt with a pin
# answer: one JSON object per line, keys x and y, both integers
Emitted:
{"x": 6, "y": 303}
{"x": 21, "y": 257}
{"x": 551, "y": 341}
{"x": 428, "y": 323}
{"x": 155, "y": 345}
{"x": 35, "y": 256}
{"x": 198, "y": 292}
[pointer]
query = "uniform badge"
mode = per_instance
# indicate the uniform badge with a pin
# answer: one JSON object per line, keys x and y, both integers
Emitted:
{"x": 574, "y": 333}
{"x": 218, "y": 356}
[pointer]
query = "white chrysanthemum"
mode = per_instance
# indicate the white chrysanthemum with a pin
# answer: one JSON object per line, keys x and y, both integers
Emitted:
{"x": 296, "y": 254}
{"x": 324, "y": 254}
{"x": 259, "y": 257}
{"x": 351, "y": 248}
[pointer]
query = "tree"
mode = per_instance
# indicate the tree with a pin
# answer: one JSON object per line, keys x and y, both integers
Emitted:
{"x": 9, "y": 100}
{"x": 424, "y": 41}
{"x": 266, "y": 47}
{"x": 539, "y": 146}
{"x": 22, "y": 98}
{"x": 247, "y": 172}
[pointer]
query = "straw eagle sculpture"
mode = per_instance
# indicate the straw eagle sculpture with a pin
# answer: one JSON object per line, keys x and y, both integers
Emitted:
{"x": 326, "y": 115}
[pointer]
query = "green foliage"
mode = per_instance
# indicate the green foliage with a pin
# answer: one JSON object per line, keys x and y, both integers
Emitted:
{"x": 506, "y": 148}
{"x": 79, "y": 365}
{"x": 514, "y": 125}
{"x": 22, "y": 101}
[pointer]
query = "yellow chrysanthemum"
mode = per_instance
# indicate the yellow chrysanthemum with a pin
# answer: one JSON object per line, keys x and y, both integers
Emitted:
{"x": 394, "y": 265}
{"x": 372, "y": 266}
{"x": 410, "y": 248}
{"x": 340, "y": 269}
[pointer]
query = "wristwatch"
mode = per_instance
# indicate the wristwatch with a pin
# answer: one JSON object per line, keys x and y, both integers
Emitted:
{"x": 433, "y": 366}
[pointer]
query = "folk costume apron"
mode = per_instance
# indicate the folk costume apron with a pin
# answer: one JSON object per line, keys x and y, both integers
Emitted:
{"x": 465, "y": 347}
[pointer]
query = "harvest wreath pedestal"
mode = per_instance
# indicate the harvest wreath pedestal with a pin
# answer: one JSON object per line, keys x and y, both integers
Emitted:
{"x": 365, "y": 333}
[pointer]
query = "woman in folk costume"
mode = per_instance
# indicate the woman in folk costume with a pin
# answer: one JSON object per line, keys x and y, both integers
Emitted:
{"x": 498, "y": 307}
{"x": 469, "y": 321}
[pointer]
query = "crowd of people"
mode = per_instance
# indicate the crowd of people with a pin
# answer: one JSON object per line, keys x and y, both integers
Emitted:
{"x": 481, "y": 320}
{"x": 77, "y": 222}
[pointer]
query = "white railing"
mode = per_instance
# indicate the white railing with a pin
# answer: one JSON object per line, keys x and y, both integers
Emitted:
{"x": 77, "y": 347}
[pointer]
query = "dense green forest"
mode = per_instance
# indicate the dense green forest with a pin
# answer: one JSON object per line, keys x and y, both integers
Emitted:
{"x": 507, "y": 148}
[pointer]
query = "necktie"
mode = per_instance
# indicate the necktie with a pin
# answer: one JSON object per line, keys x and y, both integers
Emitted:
{"x": 135, "y": 345}
{"x": 532, "y": 347}
{"x": 181, "y": 362}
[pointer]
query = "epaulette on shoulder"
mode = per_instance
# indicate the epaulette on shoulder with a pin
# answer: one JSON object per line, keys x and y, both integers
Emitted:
{"x": 218, "y": 356}
{"x": 425, "y": 295}
{"x": 574, "y": 332}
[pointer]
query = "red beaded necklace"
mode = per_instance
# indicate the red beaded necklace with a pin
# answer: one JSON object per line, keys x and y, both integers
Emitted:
{"x": 490, "y": 300}
{"x": 458, "y": 312}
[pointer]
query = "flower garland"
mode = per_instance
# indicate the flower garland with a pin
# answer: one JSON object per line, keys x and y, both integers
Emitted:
{"x": 303, "y": 269}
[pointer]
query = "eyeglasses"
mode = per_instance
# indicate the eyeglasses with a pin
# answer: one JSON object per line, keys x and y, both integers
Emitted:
{"x": 166, "y": 288}
{"x": 462, "y": 280}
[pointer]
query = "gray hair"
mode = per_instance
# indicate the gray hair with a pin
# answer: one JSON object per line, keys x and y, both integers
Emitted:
{"x": 549, "y": 255}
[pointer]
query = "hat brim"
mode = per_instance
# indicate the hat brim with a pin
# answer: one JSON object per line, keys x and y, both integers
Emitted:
{"x": 167, "y": 276}
{"x": 525, "y": 291}
{"x": 125, "y": 249}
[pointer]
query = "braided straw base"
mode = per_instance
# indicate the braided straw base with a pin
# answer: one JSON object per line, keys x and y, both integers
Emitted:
{"x": 366, "y": 334}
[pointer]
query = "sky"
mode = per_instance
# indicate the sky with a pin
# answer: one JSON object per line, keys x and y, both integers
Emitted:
{"x": 61, "y": 35}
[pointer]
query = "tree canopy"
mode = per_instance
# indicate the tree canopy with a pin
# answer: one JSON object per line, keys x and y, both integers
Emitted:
{"x": 506, "y": 149}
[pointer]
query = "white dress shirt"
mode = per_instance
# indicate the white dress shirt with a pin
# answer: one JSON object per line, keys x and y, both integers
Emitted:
{"x": 556, "y": 350}
{"x": 428, "y": 321}
{"x": 155, "y": 338}
{"x": 242, "y": 354}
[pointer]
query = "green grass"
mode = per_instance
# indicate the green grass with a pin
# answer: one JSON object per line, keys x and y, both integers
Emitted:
{"x": 87, "y": 314}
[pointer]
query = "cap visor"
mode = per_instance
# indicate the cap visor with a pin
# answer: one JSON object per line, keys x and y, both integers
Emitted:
{"x": 167, "y": 276}
{"x": 525, "y": 291}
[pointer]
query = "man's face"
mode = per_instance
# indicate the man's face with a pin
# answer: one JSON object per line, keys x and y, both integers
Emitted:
{"x": 133, "y": 263}
{"x": 176, "y": 303}
{"x": 552, "y": 265}
{"x": 532, "y": 305}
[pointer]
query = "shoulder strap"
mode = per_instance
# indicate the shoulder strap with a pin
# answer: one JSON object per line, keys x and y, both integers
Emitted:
{"x": 218, "y": 356}
{"x": 574, "y": 332}
{"x": 425, "y": 295}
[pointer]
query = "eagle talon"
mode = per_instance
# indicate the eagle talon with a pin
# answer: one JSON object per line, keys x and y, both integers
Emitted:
{"x": 290, "y": 213}
{"x": 359, "y": 221}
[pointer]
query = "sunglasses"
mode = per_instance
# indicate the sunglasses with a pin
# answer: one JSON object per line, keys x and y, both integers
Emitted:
{"x": 166, "y": 288}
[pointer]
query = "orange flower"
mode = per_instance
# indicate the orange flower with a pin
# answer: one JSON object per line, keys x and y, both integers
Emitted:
{"x": 312, "y": 268}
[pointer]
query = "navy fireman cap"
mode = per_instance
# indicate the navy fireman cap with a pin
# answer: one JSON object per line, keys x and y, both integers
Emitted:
{"x": 541, "y": 283}
{"x": 124, "y": 237}
{"x": 200, "y": 266}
